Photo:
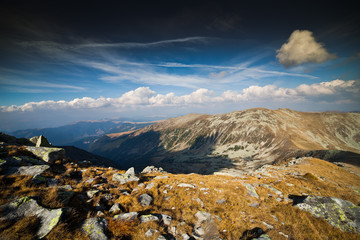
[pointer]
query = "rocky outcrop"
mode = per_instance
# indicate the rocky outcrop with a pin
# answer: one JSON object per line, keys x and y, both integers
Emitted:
{"x": 337, "y": 212}
{"x": 128, "y": 176}
{"x": 48, "y": 154}
{"x": 40, "y": 141}
{"x": 26, "y": 207}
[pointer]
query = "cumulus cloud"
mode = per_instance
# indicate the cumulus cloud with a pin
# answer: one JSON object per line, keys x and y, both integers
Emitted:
{"x": 302, "y": 47}
{"x": 339, "y": 90}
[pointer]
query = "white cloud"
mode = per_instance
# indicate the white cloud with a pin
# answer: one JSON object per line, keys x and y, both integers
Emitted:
{"x": 302, "y": 47}
{"x": 339, "y": 90}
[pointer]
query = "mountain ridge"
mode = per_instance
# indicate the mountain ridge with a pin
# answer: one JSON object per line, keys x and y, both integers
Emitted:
{"x": 239, "y": 138}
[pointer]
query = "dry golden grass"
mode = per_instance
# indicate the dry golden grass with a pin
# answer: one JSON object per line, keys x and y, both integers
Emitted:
{"x": 25, "y": 228}
{"x": 232, "y": 217}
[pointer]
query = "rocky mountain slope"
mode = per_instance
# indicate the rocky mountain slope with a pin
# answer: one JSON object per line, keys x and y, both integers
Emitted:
{"x": 80, "y": 134}
{"x": 48, "y": 196}
{"x": 231, "y": 143}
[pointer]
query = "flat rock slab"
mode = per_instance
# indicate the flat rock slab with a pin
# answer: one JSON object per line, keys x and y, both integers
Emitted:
{"x": 251, "y": 190}
{"x": 48, "y": 154}
{"x": 337, "y": 212}
{"x": 26, "y": 207}
{"x": 28, "y": 170}
{"x": 131, "y": 216}
{"x": 94, "y": 228}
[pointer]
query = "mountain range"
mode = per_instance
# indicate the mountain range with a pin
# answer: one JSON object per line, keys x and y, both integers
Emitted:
{"x": 233, "y": 142}
{"x": 80, "y": 133}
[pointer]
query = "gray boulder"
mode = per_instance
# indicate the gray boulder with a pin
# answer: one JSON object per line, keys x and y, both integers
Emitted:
{"x": 48, "y": 154}
{"x": 145, "y": 200}
{"x": 128, "y": 176}
{"x": 205, "y": 226}
{"x": 337, "y": 212}
{"x": 94, "y": 228}
{"x": 26, "y": 207}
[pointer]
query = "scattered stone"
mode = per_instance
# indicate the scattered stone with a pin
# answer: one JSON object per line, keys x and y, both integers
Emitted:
{"x": 148, "y": 218}
{"x": 150, "y": 186}
{"x": 186, "y": 185}
{"x": 221, "y": 201}
{"x": 149, "y": 233}
{"x": 115, "y": 208}
{"x": 128, "y": 176}
{"x": 100, "y": 214}
{"x": 26, "y": 207}
{"x": 131, "y": 216}
{"x": 251, "y": 190}
{"x": 185, "y": 236}
{"x": 272, "y": 189}
{"x": 91, "y": 193}
{"x": 161, "y": 177}
{"x": 145, "y": 200}
{"x": 90, "y": 180}
{"x": 152, "y": 169}
{"x": 94, "y": 228}
{"x": 283, "y": 234}
{"x": 337, "y": 212}
{"x": 205, "y": 226}
{"x": 254, "y": 204}
{"x": 48, "y": 154}
{"x": 204, "y": 189}
{"x": 166, "y": 219}
{"x": 268, "y": 225}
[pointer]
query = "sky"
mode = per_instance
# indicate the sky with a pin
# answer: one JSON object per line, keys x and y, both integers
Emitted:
{"x": 62, "y": 61}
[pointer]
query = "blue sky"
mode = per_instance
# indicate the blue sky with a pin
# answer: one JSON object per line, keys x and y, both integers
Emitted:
{"x": 157, "y": 62}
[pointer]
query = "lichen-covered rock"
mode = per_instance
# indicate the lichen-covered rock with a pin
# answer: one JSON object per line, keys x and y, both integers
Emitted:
{"x": 337, "y": 212}
{"x": 26, "y": 207}
{"x": 94, "y": 228}
{"x": 251, "y": 190}
{"x": 145, "y": 200}
{"x": 28, "y": 170}
{"x": 148, "y": 218}
{"x": 40, "y": 141}
{"x": 128, "y": 176}
{"x": 48, "y": 154}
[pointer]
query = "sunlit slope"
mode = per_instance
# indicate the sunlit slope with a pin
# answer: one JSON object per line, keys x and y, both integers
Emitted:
{"x": 233, "y": 139}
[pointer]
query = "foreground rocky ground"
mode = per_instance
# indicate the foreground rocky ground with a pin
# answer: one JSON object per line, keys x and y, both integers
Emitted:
{"x": 44, "y": 195}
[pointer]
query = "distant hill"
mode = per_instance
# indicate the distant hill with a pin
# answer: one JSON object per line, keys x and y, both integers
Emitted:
{"x": 237, "y": 140}
{"x": 74, "y": 133}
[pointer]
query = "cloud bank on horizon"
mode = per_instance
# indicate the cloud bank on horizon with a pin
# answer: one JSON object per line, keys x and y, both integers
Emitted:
{"x": 166, "y": 65}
